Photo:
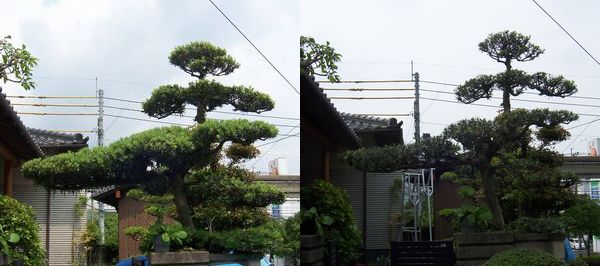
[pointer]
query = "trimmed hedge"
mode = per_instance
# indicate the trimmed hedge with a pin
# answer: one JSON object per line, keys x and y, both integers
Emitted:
{"x": 519, "y": 257}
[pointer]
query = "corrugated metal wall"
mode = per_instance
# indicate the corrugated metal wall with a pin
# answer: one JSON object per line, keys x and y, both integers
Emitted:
{"x": 383, "y": 208}
{"x": 65, "y": 228}
{"x": 36, "y": 197}
{"x": 352, "y": 181}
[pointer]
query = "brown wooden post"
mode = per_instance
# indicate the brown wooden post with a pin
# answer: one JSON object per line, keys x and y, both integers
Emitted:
{"x": 9, "y": 171}
{"x": 325, "y": 164}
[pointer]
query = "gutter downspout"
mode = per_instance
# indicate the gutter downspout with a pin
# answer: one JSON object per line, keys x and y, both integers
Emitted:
{"x": 48, "y": 226}
{"x": 365, "y": 216}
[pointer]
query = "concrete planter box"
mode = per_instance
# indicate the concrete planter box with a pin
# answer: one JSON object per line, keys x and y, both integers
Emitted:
{"x": 476, "y": 248}
{"x": 252, "y": 259}
{"x": 3, "y": 259}
{"x": 312, "y": 250}
{"x": 195, "y": 258}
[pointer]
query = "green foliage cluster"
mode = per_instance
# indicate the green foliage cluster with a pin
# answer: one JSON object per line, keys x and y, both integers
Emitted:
{"x": 318, "y": 59}
{"x": 172, "y": 234}
{"x": 506, "y": 47}
{"x": 17, "y": 64}
{"x": 593, "y": 260}
{"x": 550, "y": 225}
{"x": 19, "y": 233}
{"x": 167, "y": 100}
{"x": 333, "y": 202}
{"x": 154, "y": 153}
{"x": 225, "y": 198}
{"x": 518, "y": 257}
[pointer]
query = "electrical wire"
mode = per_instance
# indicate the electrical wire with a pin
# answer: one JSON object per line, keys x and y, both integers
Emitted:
{"x": 523, "y": 100}
{"x": 256, "y": 48}
{"x": 218, "y": 112}
{"x": 274, "y": 144}
{"x": 373, "y": 98}
{"x": 569, "y": 34}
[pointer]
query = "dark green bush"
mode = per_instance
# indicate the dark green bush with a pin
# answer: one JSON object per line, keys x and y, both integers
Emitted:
{"x": 265, "y": 238}
{"x": 593, "y": 260}
{"x": 580, "y": 261}
{"x": 537, "y": 225}
{"x": 520, "y": 257}
{"x": 18, "y": 218}
{"x": 333, "y": 202}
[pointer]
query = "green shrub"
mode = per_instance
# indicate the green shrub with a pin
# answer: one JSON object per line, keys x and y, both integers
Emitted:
{"x": 519, "y": 257}
{"x": 591, "y": 260}
{"x": 266, "y": 238}
{"x": 537, "y": 225}
{"x": 580, "y": 261}
{"x": 333, "y": 202}
{"x": 17, "y": 219}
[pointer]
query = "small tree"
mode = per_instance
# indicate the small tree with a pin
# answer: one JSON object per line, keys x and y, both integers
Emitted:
{"x": 16, "y": 64}
{"x": 506, "y": 48}
{"x": 161, "y": 159}
{"x": 583, "y": 219}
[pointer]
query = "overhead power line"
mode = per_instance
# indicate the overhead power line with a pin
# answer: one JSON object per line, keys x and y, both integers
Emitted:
{"x": 368, "y": 89}
{"x": 256, "y": 48}
{"x": 188, "y": 116}
{"x": 373, "y": 98}
{"x": 43, "y": 113}
{"x": 385, "y": 114}
{"x": 569, "y": 34}
{"x": 50, "y": 97}
{"x": 524, "y": 100}
{"x": 367, "y": 81}
{"x": 53, "y": 105}
{"x": 218, "y": 112}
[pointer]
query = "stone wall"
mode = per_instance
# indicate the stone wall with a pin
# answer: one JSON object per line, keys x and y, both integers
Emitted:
{"x": 476, "y": 248}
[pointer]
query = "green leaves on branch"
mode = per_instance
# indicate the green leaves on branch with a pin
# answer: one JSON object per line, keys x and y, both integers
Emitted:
{"x": 155, "y": 153}
{"x": 394, "y": 157}
{"x": 515, "y": 82}
{"x": 239, "y": 131}
{"x": 318, "y": 59}
{"x": 200, "y": 59}
{"x": 510, "y": 45}
{"x": 16, "y": 64}
{"x": 19, "y": 233}
{"x": 474, "y": 136}
{"x": 504, "y": 47}
{"x": 206, "y": 95}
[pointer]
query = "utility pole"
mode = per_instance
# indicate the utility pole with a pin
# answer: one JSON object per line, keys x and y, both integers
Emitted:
{"x": 100, "y": 132}
{"x": 417, "y": 114}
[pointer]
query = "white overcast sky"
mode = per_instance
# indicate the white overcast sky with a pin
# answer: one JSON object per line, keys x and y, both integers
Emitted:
{"x": 126, "y": 45}
{"x": 378, "y": 39}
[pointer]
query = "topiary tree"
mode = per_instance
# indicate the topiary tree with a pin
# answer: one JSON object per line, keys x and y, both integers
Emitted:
{"x": 161, "y": 159}
{"x": 516, "y": 142}
{"x": 19, "y": 233}
{"x": 507, "y": 47}
{"x": 16, "y": 64}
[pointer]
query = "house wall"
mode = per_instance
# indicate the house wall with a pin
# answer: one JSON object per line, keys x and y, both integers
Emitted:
{"x": 65, "y": 227}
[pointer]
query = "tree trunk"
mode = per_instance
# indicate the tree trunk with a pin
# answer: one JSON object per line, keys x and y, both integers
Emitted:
{"x": 487, "y": 181}
{"x": 184, "y": 213}
{"x": 506, "y": 89}
{"x": 506, "y": 100}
